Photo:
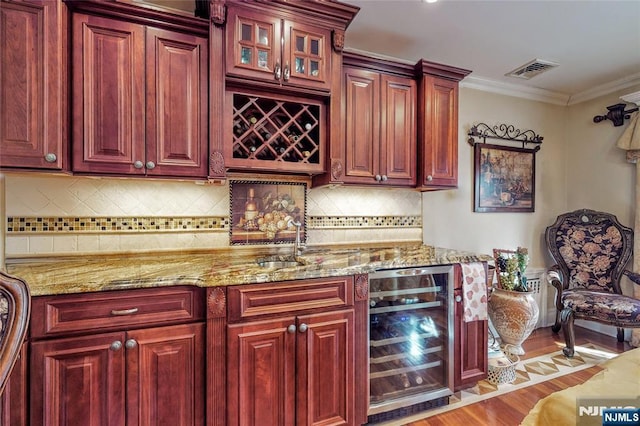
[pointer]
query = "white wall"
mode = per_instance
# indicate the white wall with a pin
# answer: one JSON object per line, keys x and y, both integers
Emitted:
{"x": 598, "y": 174}
{"x": 448, "y": 216}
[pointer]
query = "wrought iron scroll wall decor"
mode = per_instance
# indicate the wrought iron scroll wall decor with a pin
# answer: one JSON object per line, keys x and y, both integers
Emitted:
{"x": 504, "y": 132}
{"x": 616, "y": 114}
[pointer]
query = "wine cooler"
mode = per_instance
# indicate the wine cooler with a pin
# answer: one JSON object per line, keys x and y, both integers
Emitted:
{"x": 410, "y": 340}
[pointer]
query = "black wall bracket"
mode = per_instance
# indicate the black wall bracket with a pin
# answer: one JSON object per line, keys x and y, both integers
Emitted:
{"x": 616, "y": 114}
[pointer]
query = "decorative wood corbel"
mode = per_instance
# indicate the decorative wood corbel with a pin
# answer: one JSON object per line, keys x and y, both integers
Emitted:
{"x": 218, "y": 13}
{"x": 338, "y": 40}
{"x": 216, "y": 164}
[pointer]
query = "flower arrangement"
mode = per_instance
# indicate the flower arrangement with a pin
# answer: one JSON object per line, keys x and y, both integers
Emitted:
{"x": 511, "y": 267}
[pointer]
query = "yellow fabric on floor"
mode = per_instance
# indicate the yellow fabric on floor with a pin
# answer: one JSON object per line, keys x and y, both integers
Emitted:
{"x": 620, "y": 378}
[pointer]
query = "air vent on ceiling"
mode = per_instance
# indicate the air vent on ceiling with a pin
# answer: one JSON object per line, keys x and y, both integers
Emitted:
{"x": 531, "y": 69}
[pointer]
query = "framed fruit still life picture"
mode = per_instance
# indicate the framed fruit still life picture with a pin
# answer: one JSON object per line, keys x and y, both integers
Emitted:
{"x": 504, "y": 178}
{"x": 267, "y": 212}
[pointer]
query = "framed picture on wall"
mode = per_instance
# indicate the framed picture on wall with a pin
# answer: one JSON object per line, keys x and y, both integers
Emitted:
{"x": 504, "y": 178}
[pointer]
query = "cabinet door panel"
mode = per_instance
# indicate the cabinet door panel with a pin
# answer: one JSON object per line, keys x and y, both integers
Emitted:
{"x": 261, "y": 373}
{"x": 470, "y": 348}
{"x": 32, "y": 84}
{"x": 362, "y": 100}
{"x": 307, "y": 55}
{"x": 13, "y": 402}
{"x": 440, "y": 133}
{"x": 326, "y": 369}
{"x": 165, "y": 380}
{"x": 398, "y": 153}
{"x": 108, "y": 95}
{"x": 176, "y": 139}
{"x": 79, "y": 379}
{"x": 254, "y": 47}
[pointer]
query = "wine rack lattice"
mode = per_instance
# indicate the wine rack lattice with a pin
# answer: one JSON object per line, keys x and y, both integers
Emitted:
{"x": 275, "y": 130}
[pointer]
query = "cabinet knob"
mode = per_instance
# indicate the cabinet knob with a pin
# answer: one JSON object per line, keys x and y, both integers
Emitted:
{"x": 378, "y": 178}
{"x": 303, "y": 328}
{"x": 287, "y": 72}
{"x": 384, "y": 178}
{"x": 138, "y": 164}
{"x": 429, "y": 178}
{"x": 130, "y": 344}
{"x": 50, "y": 158}
{"x": 151, "y": 165}
{"x": 277, "y": 71}
{"x": 116, "y": 346}
{"x": 458, "y": 298}
{"x": 291, "y": 329}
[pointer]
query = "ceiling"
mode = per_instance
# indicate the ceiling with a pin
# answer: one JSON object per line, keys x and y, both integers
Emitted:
{"x": 595, "y": 43}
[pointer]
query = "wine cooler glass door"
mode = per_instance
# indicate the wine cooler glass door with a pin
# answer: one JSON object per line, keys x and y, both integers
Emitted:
{"x": 410, "y": 350}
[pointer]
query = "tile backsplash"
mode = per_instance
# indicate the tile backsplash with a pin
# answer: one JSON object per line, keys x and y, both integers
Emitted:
{"x": 51, "y": 214}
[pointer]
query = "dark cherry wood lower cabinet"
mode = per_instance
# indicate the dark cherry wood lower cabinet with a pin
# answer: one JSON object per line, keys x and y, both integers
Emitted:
{"x": 470, "y": 344}
{"x": 13, "y": 401}
{"x": 293, "y": 363}
{"x": 140, "y": 377}
{"x": 130, "y": 357}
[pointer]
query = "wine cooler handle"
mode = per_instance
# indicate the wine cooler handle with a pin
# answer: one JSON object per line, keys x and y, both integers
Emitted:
{"x": 291, "y": 329}
{"x": 303, "y": 328}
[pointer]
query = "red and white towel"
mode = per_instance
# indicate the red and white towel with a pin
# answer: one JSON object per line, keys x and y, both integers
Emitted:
{"x": 474, "y": 292}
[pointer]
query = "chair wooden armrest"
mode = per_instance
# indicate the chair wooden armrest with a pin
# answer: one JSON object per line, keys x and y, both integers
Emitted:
{"x": 554, "y": 278}
{"x": 15, "y": 309}
{"x": 635, "y": 278}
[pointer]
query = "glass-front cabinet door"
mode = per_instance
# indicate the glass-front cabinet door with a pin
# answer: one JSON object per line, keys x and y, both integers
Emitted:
{"x": 307, "y": 53}
{"x": 264, "y": 47}
{"x": 253, "y": 45}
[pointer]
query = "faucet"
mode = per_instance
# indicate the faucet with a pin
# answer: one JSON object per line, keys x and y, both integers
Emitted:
{"x": 297, "y": 245}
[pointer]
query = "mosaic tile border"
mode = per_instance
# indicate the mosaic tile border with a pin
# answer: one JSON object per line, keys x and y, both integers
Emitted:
{"x": 83, "y": 225}
{"x": 363, "y": 222}
{"x": 46, "y": 225}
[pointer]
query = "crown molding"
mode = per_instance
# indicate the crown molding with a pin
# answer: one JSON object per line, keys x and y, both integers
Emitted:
{"x": 633, "y": 98}
{"x": 548, "y": 96}
{"x": 605, "y": 89}
{"x": 515, "y": 90}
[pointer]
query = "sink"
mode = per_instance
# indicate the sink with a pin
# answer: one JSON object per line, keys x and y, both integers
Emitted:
{"x": 279, "y": 263}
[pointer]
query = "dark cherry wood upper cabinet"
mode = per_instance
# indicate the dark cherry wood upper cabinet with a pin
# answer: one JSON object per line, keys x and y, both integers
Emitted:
{"x": 376, "y": 144}
{"x": 177, "y": 137}
{"x": 438, "y": 125}
{"x": 33, "y": 84}
{"x": 108, "y": 95}
{"x": 282, "y": 49}
{"x": 139, "y": 98}
{"x": 285, "y": 43}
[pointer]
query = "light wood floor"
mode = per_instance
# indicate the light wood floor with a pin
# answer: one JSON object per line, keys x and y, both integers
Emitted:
{"x": 510, "y": 409}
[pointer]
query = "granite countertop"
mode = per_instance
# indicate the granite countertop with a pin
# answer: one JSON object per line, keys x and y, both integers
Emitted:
{"x": 90, "y": 273}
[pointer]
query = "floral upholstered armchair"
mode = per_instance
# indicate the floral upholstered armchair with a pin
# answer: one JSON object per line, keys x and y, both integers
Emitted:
{"x": 591, "y": 250}
{"x": 15, "y": 305}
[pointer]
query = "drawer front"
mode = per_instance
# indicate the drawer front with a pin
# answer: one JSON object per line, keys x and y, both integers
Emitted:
{"x": 71, "y": 314}
{"x": 289, "y": 297}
